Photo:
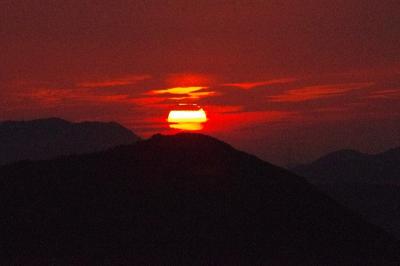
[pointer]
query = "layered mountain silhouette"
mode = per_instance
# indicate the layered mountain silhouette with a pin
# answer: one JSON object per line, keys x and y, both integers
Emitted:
{"x": 48, "y": 138}
{"x": 369, "y": 184}
{"x": 184, "y": 199}
{"x": 353, "y": 167}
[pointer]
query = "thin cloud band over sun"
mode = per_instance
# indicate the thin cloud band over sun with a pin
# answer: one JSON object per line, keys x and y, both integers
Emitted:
{"x": 193, "y": 92}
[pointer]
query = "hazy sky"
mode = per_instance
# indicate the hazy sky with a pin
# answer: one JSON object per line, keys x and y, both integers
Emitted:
{"x": 286, "y": 80}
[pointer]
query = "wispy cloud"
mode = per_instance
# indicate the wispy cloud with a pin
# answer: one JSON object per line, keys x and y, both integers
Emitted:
{"x": 128, "y": 80}
{"x": 317, "y": 92}
{"x": 250, "y": 85}
{"x": 54, "y": 96}
{"x": 385, "y": 94}
{"x": 194, "y": 92}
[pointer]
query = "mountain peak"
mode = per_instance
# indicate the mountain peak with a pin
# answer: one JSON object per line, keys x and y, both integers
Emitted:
{"x": 50, "y": 120}
{"x": 349, "y": 166}
{"x": 50, "y": 137}
{"x": 392, "y": 154}
{"x": 342, "y": 155}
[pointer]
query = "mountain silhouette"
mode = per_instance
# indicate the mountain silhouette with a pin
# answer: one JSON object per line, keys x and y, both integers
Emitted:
{"x": 48, "y": 138}
{"x": 184, "y": 199}
{"x": 368, "y": 184}
{"x": 347, "y": 166}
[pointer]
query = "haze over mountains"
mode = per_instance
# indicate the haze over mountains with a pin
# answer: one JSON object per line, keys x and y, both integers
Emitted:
{"x": 48, "y": 138}
{"x": 369, "y": 184}
{"x": 180, "y": 199}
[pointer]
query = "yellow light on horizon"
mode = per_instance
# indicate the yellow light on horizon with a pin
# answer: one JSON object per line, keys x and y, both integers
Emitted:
{"x": 187, "y": 126}
{"x": 178, "y": 90}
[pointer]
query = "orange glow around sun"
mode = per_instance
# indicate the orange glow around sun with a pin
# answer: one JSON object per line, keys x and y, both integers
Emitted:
{"x": 187, "y": 117}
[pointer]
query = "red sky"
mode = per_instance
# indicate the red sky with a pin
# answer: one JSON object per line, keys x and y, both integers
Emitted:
{"x": 286, "y": 80}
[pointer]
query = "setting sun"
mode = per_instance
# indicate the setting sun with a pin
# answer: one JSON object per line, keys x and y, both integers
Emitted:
{"x": 187, "y": 117}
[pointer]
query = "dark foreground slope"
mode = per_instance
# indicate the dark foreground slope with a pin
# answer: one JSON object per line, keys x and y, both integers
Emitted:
{"x": 180, "y": 199}
{"x": 48, "y": 138}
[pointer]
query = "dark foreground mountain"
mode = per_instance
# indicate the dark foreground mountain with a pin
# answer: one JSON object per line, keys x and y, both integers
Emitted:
{"x": 182, "y": 199}
{"x": 380, "y": 204}
{"x": 369, "y": 184}
{"x": 48, "y": 138}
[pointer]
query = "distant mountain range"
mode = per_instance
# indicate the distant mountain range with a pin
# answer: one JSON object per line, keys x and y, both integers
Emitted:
{"x": 369, "y": 184}
{"x": 48, "y": 138}
{"x": 177, "y": 200}
{"x": 348, "y": 166}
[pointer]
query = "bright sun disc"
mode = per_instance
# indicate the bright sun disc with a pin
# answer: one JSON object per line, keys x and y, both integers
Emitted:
{"x": 187, "y": 117}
